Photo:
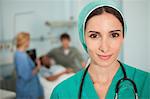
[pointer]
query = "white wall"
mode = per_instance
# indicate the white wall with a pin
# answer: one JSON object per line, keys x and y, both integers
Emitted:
{"x": 136, "y": 39}
{"x": 149, "y": 33}
{"x": 42, "y": 10}
{"x": 0, "y": 20}
{"x": 31, "y": 15}
{"x": 1, "y": 54}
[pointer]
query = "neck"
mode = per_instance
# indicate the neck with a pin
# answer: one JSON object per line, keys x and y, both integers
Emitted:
{"x": 22, "y": 49}
{"x": 47, "y": 66}
{"x": 103, "y": 74}
{"x": 65, "y": 48}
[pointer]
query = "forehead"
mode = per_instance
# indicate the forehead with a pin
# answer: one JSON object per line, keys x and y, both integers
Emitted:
{"x": 105, "y": 21}
{"x": 45, "y": 57}
{"x": 65, "y": 39}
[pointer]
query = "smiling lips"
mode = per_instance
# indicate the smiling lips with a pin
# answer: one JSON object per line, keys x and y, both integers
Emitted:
{"x": 104, "y": 57}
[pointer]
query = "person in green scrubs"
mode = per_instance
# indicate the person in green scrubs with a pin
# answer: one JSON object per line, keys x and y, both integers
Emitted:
{"x": 101, "y": 29}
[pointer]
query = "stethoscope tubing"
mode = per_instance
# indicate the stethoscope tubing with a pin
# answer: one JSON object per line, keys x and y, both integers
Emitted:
{"x": 117, "y": 85}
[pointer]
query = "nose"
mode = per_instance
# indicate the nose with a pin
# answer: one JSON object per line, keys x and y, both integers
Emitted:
{"x": 104, "y": 45}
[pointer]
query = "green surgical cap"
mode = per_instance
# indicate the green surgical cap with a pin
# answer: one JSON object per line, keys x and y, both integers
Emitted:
{"x": 85, "y": 12}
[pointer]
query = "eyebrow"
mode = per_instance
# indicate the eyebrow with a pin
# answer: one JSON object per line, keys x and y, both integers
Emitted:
{"x": 94, "y": 32}
{"x": 115, "y": 31}
{"x": 109, "y": 32}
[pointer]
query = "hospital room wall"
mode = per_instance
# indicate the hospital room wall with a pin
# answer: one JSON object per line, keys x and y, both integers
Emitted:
{"x": 31, "y": 15}
{"x": 1, "y": 29}
{"x": 137, "y": 41}
{"x": 0, "y": 22}
{"x": 149, "y": 33}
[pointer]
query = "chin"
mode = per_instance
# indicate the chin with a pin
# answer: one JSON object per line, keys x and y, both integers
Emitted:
{"x": 104, "y": 63}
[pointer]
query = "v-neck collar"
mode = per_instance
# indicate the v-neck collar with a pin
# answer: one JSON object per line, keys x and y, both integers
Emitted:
{"x": 90, "y": 91}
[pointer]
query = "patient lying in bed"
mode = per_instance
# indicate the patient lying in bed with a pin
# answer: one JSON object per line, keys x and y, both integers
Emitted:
{"x": 52, "y": 74}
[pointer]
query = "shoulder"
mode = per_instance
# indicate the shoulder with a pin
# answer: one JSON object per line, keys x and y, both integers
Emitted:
{"x": 140, "y": 77}
{"x": 66, "y": 87}
{"x": 58, "y": 67}
{"x": 55, "y": 49}
{"x": 20, "y": 55}
{"x": 43, "y": 69}
{"x": 134, "y": 72}
{"x": 74, "y": 49}
{"x": 44, "y": 72}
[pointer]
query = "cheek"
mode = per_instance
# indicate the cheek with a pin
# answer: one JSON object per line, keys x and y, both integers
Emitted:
{"x": 91, "y": 45}
{"x": 116, "y": 46}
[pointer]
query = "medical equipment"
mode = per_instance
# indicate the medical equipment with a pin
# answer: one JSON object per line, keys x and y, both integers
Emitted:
{"x": 125, "y": 78}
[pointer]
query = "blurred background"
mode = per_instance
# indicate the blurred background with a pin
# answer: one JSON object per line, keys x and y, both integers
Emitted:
{"x": 46, "y": 20}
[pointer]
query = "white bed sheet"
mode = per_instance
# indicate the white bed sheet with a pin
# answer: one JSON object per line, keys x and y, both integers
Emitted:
{"x": 48, "y": 86}
{"x": 4, "y": 94}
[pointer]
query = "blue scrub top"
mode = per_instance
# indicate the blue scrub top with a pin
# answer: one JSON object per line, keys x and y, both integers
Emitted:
{"x": 27, "y": 84}
{"x": 69, "y": 88}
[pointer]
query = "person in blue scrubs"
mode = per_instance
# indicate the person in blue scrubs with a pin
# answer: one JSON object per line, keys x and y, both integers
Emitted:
{"x": 27, "y": 83}
{"x": 101, "y": 29}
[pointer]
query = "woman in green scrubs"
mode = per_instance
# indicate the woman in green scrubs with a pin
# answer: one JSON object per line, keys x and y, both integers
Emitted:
{"x": 101, "y": 30}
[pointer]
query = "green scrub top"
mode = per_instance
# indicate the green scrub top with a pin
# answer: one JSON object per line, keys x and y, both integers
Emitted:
{"x": 69, "y": 88}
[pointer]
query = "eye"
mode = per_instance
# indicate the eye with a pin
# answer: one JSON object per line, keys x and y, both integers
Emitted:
{"x": 94, "y": 36}
{"x": 114, "y": 35}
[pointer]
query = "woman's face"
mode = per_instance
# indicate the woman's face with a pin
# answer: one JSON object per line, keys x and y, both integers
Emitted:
{"x": 27, "y": 44}
{"x": 103, "y": 37}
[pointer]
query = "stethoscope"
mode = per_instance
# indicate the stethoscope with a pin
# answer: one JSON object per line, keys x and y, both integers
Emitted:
{"x": 125, "y": 78}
